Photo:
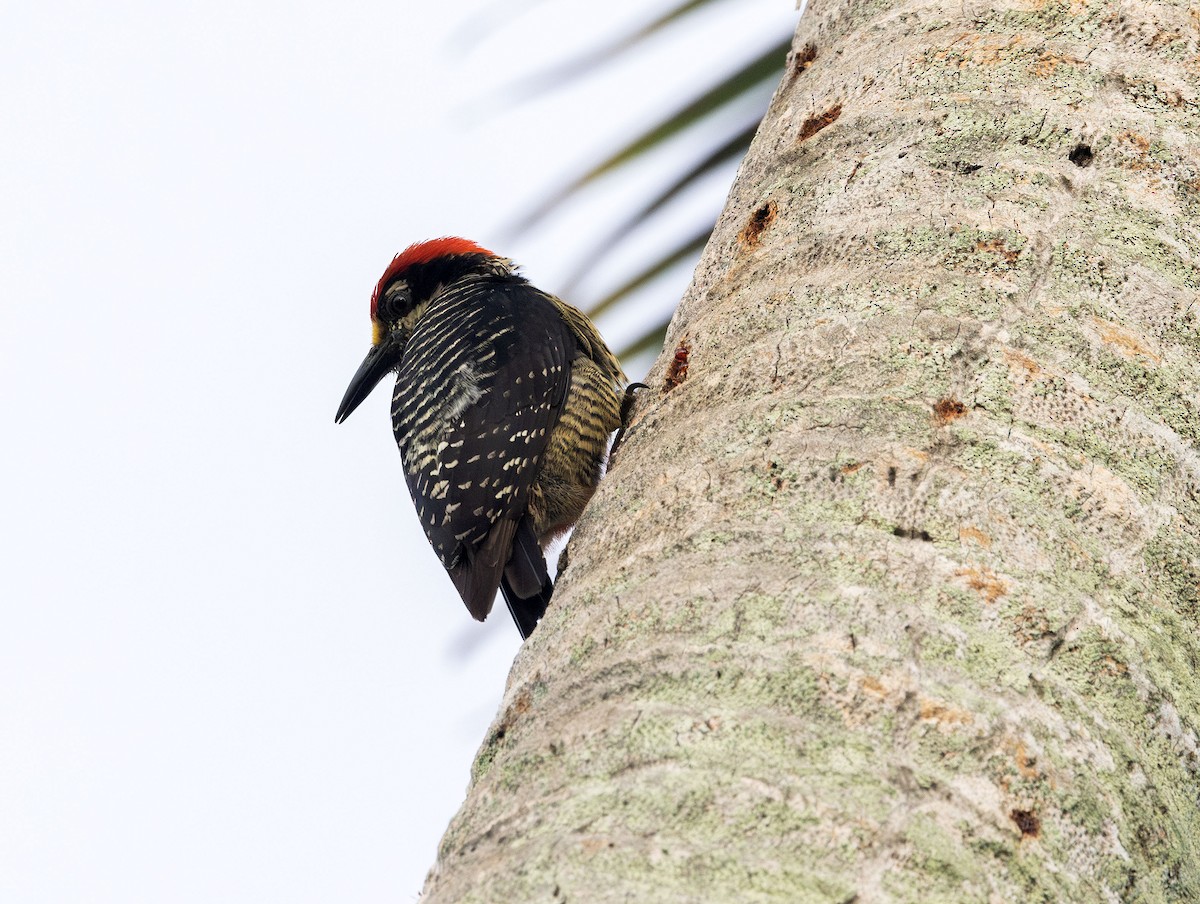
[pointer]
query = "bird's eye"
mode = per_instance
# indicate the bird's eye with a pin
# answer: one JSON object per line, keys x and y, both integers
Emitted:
{"x": 396, "y": 301}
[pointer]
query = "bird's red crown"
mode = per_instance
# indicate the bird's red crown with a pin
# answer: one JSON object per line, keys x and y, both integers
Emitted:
{"x": 423, "y": 253}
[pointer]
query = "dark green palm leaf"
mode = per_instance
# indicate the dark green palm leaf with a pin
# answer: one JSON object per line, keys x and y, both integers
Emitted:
{"x": 661, "y": 263}
{"x": 731, "y": 149}
{"x": 718, "y": 101}
{"x": 651, "y": 340}
{"x": 766, "y": 66}
{"x": 570, "y": 70}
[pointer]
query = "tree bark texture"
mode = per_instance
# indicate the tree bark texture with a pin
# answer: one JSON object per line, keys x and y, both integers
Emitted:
{"x": 893, "y": 591}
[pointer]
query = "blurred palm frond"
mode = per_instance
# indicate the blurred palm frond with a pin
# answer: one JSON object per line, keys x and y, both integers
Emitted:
{"x": 592, "y": 60}
{"x": 708, "y": 112}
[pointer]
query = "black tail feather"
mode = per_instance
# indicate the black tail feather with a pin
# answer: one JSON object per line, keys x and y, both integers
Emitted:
{"x": 526, "y": 611}
{"x": 526, "y": 584}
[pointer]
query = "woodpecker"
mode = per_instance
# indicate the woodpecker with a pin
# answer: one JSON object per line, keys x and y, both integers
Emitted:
{"x": 504, "y": 403}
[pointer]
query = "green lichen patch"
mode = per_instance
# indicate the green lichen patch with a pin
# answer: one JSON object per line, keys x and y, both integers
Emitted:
{"x": 964, "y": 249}
{"x": 1132, "y": 235}
{"x": 1161, "y": 391}
{"x": 1173, "y": 561}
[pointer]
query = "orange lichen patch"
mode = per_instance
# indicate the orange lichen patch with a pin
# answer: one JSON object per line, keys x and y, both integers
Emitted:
{"x": 984, "y": 582}
{"x": 1031, "y": 367}
{"x": 1047, "y": 449}
{"x": 1113, "y": 668}
{"x": 1026, "y": 764}
{"x": 1046, "y": 63}
{"x": 918, "y": 454}
{"x": 857, "y": 696}
{"x": 947, "y": 410}
{"x": 974, "y": 535}
{"x": 943, "y": 713}
{"x": 814, "y": 124}
{"x": 1167, "y": 36}
{"x": 850, "y": 469}
{"x": 1123, "y": 341}
{"x": 1173, "y": 97}
{"x": 997, "y": 246}
{"x": 519, "y": 707}
{"x": 758, "y": 223}
{"x": 873, "y": 686}
{"x": 1137, "y": 151}
{"x": 976, "y": 50}
{"x": 1138, "y": 141}
{"x": 1031, "y": 625}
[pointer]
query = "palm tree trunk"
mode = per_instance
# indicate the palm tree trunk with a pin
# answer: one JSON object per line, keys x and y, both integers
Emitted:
{"x": 893, "y": 592}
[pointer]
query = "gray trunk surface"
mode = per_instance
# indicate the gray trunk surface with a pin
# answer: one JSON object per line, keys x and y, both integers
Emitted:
{"x": 894, "y": 595}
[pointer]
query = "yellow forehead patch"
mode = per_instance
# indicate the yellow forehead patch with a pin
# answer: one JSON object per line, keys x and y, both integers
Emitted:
{"x": 376, "y": 332}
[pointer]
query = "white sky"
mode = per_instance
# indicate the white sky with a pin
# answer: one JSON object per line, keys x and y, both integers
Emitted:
{"x": 231, "y": 669}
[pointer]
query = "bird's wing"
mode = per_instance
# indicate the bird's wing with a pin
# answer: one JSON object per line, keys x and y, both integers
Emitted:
{"x": 501, "y": 357}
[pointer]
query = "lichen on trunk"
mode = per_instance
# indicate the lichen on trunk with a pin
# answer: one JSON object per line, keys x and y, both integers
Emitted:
{"x": 895, "y": 596}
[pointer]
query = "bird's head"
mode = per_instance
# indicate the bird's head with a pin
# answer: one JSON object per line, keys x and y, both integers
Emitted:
{"x": 414, "y": 276}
